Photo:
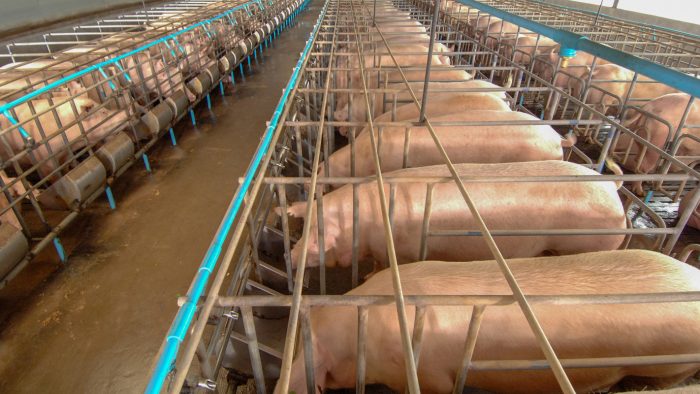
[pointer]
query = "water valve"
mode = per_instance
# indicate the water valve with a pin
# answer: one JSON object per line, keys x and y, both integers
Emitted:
{"x": 566, "y": 54}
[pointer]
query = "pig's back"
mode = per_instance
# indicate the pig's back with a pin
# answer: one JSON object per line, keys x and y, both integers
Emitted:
{"x": 575, "y": 331}
{"x": 618, "y": 271}
{"x": 532, "y": 168}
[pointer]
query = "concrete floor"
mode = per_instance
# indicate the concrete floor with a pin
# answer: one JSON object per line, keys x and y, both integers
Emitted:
{"x": 96, "y": 324}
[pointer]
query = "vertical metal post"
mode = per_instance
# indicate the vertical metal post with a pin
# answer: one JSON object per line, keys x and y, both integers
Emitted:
{"x": 374, "y": 14}
{"x": 417, "y": 338}
{"x": 433, "y": 32}
{"x": 256, "y": 362}
{"x": 682, "y": 220}
{"x": 469, "y": 345}
{"x": 308, "y": 350}
{"x": 282, "y": 194}
{"x": 362, "y": 313}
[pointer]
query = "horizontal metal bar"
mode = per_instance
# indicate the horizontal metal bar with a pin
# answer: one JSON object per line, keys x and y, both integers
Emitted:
{"x": 458, "y": 300}
{"x": 552, "y": 232}
{"x": 482, "y": 179}
{"x": 515, "y": 365}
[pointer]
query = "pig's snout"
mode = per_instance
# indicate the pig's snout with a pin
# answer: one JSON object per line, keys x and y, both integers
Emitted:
{"x": 313, "y": 259}
{"x": 190, "y": 96}
{"x": 341, "y": 114}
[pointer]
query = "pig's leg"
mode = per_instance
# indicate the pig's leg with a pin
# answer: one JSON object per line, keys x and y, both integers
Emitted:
{"x": 297, "y": 378}
{"x": 638, "y": 189}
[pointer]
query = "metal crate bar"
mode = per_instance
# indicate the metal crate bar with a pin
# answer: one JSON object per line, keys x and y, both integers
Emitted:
{"x": 572, "y": 41}
{"x": 292, "y": 165}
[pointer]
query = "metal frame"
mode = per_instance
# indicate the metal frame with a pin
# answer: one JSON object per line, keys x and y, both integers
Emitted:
{"x": 648, "y": 42}
{"x": 126, "y": 74}
{"x": 297, "y": 145}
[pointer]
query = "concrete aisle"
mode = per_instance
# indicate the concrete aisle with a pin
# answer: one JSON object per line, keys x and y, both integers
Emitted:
{"x": 95, "y": 325}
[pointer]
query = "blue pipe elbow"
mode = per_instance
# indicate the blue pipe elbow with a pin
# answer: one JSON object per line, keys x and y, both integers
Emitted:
{"x": 567, "y": 52}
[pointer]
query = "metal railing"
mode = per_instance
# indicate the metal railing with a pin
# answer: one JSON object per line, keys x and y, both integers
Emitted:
{"x": 74, "y": 120}
{"x": 358, "y": 61}
{"x": 166, "y": 363}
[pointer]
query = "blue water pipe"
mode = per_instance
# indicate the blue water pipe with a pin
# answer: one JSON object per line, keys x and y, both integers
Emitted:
{"x": 183, "y": 319}
{"x": 572, "y": 42}
{"x": 98, "y": 67}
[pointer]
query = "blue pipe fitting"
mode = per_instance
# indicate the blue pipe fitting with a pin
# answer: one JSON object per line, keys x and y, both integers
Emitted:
{"x": 172, "y": 137}
{"x": 647, "y": 198}
{"x": 566, "y": 52}
{"x": 59, "y": 249}
{"x": 110, "y": 198}
{"x": 146, "y": 162}
{"x": 193, "y": 118}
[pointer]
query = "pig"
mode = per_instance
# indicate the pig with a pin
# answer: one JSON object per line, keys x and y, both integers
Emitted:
{"x": 16, "y": 191}
{"x": 397, "y": 22}
{"x": 464, "y": 144}
{"x": 669, "y": 107}
{"x": 97, "y": 124}
{"x": 463, "y": 14}
{"x": 382, "y": 59}
{"x": 226, "y": 36}
{"x": 394, "y": 36}
{"x": 19, "y": 79}
{"x": 575, "y": 67}
{"x": 483, "y": 21}
{"x": 574, "y": 331}
{"x": 500, "y": 30}
{"x": 435, "y": 89}
{"x": 609, "y": 104}
{"x": 437, "y": 74}
{"x": 440, "y": 104}
{"x": 542, "y": 205}
{"x": 154, "y": 82}
{"x": 522, "y": 51}
{"x": 196, "y": 54}
{"x": 405, "y": 26}
{"x": 98, "y": 88}
{"x": 525, "y": 48}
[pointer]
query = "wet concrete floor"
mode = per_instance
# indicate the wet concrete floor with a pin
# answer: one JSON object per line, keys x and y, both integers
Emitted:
{"x": 95, "y": 324}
